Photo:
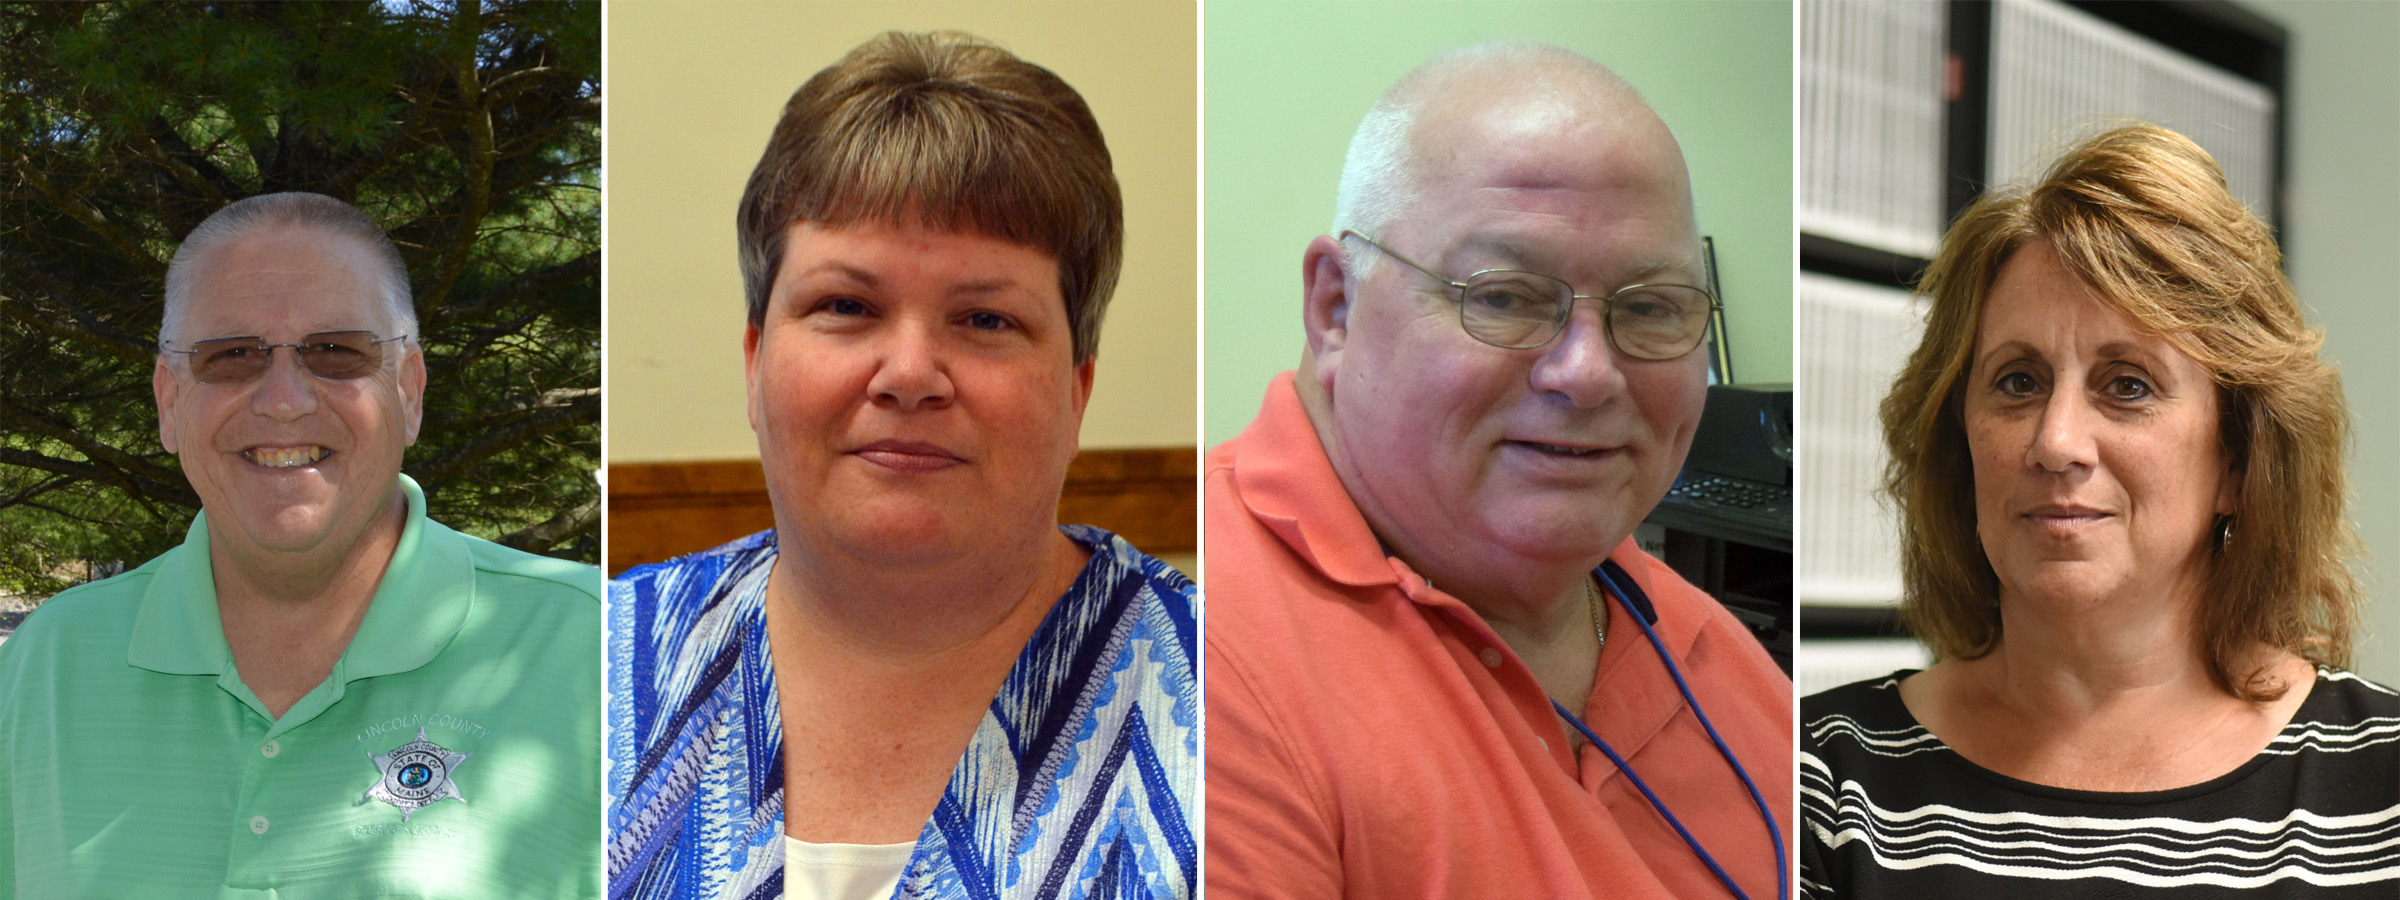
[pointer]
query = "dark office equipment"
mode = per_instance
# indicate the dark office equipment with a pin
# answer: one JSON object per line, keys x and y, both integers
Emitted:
{"x": 1737, "y": 482}
{"x": 1729, "y": 516}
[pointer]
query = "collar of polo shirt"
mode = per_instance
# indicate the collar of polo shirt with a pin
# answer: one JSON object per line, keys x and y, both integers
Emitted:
{"x": 423, "y": 599}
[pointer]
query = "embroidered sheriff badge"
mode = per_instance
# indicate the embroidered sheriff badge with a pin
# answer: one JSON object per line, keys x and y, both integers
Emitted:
{"x": 416, "y": 775}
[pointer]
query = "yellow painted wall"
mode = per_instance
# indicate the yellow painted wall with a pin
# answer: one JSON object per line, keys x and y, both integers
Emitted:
{"x": 694, "y": 90}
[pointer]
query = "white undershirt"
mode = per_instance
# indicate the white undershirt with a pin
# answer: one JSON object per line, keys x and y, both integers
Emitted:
{"x": 843, "y": 871}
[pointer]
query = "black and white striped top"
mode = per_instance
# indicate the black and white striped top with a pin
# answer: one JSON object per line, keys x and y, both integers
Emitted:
{"x": 1888, "y": 810}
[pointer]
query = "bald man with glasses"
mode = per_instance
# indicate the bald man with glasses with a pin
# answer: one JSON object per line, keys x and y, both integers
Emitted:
{"x": 321, "y": 692}
{"x": 1438, "y": 666}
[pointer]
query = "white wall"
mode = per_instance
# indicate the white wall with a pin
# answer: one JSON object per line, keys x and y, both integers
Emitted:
{"x": 2343, "y": 253}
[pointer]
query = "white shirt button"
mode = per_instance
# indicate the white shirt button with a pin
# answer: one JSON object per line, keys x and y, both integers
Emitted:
{"x": 258, "y": 824}
{"x": 269, "y": 749}
{"x": 1545, "y": 741}
{"x": 1491, "y": 657}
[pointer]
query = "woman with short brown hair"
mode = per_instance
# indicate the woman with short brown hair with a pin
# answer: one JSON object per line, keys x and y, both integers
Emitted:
{"x": 2118, "y": 463}
{"x": 917, "y": 684}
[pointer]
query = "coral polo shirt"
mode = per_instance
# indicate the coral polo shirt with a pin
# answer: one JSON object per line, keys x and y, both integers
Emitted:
{"x": 1369, "y": 736}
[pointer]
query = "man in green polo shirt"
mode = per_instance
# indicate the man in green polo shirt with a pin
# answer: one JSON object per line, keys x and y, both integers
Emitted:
{"x": 321, "y": 692}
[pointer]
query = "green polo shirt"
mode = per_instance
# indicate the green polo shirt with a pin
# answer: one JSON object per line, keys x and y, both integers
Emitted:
{"x": 135, "y": 763}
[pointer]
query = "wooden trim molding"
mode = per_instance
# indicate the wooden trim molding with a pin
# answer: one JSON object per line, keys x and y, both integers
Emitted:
{"x": 657, "y": 511}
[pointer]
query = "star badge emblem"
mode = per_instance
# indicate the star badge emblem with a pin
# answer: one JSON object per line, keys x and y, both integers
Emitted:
{"x": 416, "y": 775}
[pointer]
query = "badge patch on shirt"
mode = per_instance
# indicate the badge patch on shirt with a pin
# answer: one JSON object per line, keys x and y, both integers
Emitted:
{"x": 416, "y": 775}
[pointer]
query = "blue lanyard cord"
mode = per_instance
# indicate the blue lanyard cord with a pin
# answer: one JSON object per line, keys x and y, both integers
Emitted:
{"x": 1775, "y": 832}
{"x": 1655, "y": 803}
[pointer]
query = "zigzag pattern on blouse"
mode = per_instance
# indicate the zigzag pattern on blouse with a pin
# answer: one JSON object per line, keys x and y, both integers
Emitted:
{"x": 1080, "y": 782}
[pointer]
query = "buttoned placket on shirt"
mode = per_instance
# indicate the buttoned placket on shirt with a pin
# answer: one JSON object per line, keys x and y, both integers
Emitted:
{"x": 421, "y": 602}
{"x": 1628, "y": 709}
{"x": 1474, "y": 645}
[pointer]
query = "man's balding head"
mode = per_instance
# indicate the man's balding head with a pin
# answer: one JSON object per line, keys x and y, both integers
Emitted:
{"x": 1494, "y": 95}
{"x": 1471, "y": 459}
{"x": 290, "y": 210}
{"x": 293, "y": 467}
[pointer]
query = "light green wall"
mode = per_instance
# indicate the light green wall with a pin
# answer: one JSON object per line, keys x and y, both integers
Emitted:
{"x": 2341, "y": 231}
{"x": 694, "y": 89}
{"x": 1287, "y": 82}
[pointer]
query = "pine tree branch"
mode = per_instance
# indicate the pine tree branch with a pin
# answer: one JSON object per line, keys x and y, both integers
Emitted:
{"x": 556, "y": 530}
{"x": 583, "y": 411}
{"x": 128, "y": 248}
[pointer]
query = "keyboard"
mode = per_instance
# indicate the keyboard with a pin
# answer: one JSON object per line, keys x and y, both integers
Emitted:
{"x": 1731, "y": 493}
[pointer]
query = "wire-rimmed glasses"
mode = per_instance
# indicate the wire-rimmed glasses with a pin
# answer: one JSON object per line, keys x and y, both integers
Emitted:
{"x": 336, "y": 355}
{"x": 1517, "y": 310}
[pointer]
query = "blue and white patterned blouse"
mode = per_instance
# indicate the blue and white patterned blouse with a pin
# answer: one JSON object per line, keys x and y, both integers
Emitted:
{"x": 1081, "y": 782}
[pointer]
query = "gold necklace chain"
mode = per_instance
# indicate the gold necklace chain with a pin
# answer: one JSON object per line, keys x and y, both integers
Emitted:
{"x": 1599, "y": 616}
